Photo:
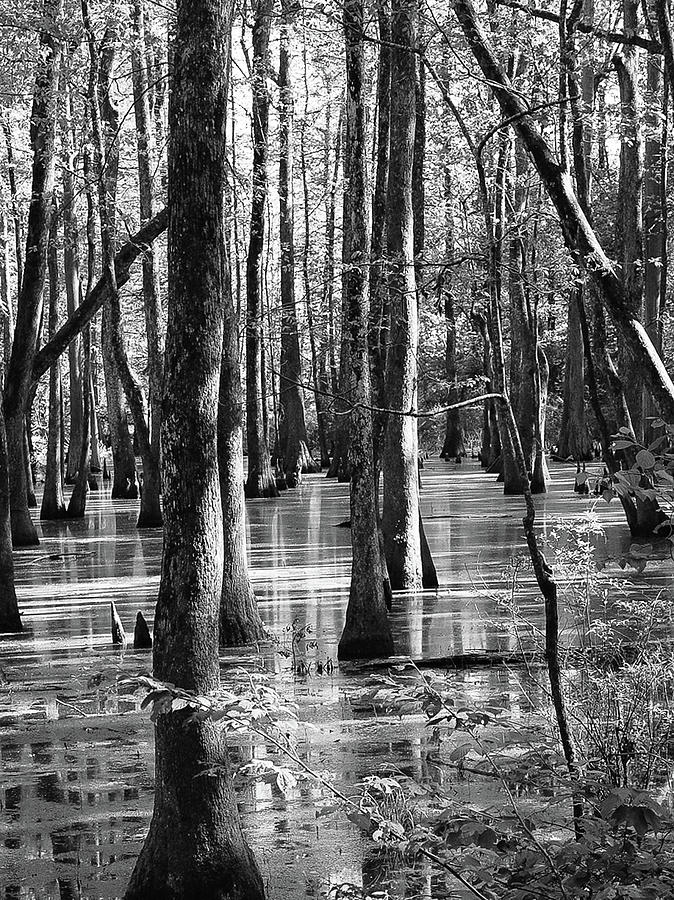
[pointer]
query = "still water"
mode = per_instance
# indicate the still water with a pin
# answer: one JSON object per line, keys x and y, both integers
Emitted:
{"x": 76, "y": 768}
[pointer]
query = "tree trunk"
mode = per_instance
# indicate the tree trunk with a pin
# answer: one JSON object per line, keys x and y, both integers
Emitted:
{"x": 78, "y": 499}
{"x": 151, "y": 295}
{"x": 53, "y": 504}
{"x": 16, "y": 209}
{"x": 71, "y": 269}
{"x": 260, "y": 481}
{"x": 655, "y": 232}
{"x": 400, "y": 521}
{"x": 105, "y": 125}
{"x": 292, "y": 426}
{"x": 366, "y": 632}
{"x": 10, "y": 620}
{"x": 453, "y": 445}
{"x": 240, "y": 621}
{"x": 629, "y": 224}
{"x": 379, "y": 296}
{"x": 578, "y": 233}
{"x": 19, "y": 374}
{"x": 320, "y": 400}
{"x": 195, "y": 846}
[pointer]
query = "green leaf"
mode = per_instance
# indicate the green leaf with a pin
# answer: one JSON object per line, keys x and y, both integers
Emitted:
{"x": 645, "y": 459}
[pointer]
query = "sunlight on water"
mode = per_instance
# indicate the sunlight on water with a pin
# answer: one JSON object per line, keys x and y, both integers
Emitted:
{"x": 76, "y": 752}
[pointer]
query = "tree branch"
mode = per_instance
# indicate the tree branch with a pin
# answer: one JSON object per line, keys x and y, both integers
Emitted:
{"x": 124, "y": 258}
{"x": 614, "y": 37}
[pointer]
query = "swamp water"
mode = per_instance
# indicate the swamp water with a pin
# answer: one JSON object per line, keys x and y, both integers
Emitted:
{"x": 76, "y": 754}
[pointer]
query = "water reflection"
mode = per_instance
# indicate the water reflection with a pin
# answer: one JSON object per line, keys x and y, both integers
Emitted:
{"x": 76, "y": 754}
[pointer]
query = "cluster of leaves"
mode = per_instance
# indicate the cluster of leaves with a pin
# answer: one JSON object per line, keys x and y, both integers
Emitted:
{"x": 649, "y": 474}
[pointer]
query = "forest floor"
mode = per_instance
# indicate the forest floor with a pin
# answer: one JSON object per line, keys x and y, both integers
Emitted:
{"x": 76, "y": 770}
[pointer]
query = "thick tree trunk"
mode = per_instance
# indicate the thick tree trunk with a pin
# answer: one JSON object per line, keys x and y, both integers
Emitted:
{"x": 260, "y": 481}
{"x": 578, "y": 233}
{"x": 19, "y": 374}
{"x": 53, "y": 504}
{"x": 400, "y": 521}
{"x": 195, "y": 846}
{"x": 292, "y": 425}
{"x": 366, "y": 632}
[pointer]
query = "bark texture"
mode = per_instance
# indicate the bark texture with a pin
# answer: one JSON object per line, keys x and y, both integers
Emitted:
{"x": 366, "y": 632}
{"x": 260, "y": 480}
{"x": 292, "y": 424}
{"x": 400, "y": 520}
{"x": 195, "y": 846}
{"x": 19, "y": 373}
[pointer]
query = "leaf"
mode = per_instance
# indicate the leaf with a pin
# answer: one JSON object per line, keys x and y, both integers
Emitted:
{"x": 607, "y": 494}
{"x": 622, "y": 445}
{"x": 645, "y": 459}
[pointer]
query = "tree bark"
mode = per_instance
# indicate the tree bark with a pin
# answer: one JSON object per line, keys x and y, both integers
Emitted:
{"x": 151, "y": 294}
{"x": 240, "y": 621}
{"x": 366, "y": 632}
{"x": 379, "y": 296}
{"x": 453, "y": 444}
{"x": 195, "y": 846}
{"x": 655, "y": 232}
{"x": 71, "y": 270}
{"x": 10, "y": 619}
{"x": 292, "y": 425}
{"x": 629, "y": 223}
{"x": 260, "y": 481}
{"x": 400, "y": 520}
{"x": 19, "y": 374}
{"x": 53, "y": 504}
{"x": 105, "y": 124}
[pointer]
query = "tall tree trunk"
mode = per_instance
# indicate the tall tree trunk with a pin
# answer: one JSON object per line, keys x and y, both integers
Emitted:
{"x": 366, "y": 632}
{"x": 320, "y": 400}
{"x": 53, "y": 504}
{"x": 78, "y": 499}
{"x": 105, "y": 124}
{"x": 240, "y": 621}
{"x": 578, "y": 233}
{"x": 14, "y": 198}
{"x": 71, "y": 270}
{"x": 260, "y": 481}
{"x": 195, "y": 846}
{"x": 19, "y": 374}
{"x": 655, "y": 232}
{"x": 453, "y": 445}
{"x": 151, "y": 294}
{"x": 292, "y": 426}
{"x": 379, "y": 296}
{"x": 400, "y": 521}
{"x": 10, "y": 619}
{"x": 629, "y": 224}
